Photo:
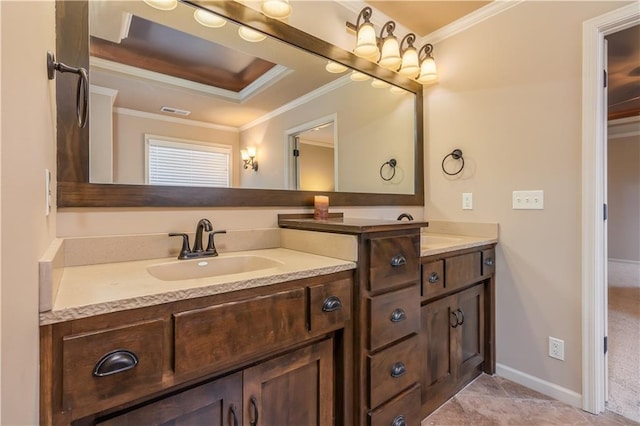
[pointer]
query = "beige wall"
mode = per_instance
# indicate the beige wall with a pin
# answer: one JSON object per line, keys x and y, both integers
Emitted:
{"x": 624, "y": 198}
{"x": 28, "y": 147}
{"x": 316, "y": 166}
{"x": 510, "y": 97}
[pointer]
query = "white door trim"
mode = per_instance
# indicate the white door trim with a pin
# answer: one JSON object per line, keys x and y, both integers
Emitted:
{"x": 594, "y": 282}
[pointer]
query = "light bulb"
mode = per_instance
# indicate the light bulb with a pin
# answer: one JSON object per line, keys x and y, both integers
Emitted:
{"x": 379, "y": 84}
{"x": 359, "y": 76}
{"x": 208, "y": 19}
{"x": 162, "y": 4}
{"x": 277, "y": 9}
{"x": 251, "y": 35}
{"x": 334, "y": 67}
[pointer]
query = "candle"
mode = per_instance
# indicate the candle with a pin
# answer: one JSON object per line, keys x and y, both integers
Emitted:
{"x": 321, "y": 207}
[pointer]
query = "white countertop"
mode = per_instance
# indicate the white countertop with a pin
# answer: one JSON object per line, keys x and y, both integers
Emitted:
{"x": 434, "y": 243}
{"x": 98, "y": 289}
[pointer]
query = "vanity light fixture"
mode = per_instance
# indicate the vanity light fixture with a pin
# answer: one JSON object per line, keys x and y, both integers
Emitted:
{"x": 388, "y": 54}
{"x": 250, "y": 35}
{"x": 277, "y": 9}
{"x": 162, "y": 4}
{"x": 359, "y": 76}
{"x": 208, "y": 19}
{"x": 249, "y": 158}
{"x": 379, "y": 84}
{"x": 335, "y": 68}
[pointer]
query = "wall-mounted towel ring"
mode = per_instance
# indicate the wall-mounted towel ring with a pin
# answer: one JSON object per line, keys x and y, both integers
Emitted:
{"x": 82, "y": 91}
{"x": 391, "y": 163}
{"x": 456, "y": 154}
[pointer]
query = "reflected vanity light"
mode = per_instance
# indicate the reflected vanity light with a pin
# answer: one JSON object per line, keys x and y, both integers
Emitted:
{"x": 250, "y": 35}
{"x": 277, "y": 9}
{"x": 162, "y": 4}
{"x": 208, "y": 19}
{"x": 379, "y": 84}
{"x": 335, "y": 68}
{"x": 403, "y": 60}
{"x": 249, "y": 158}
{"x": 397, "y": 90}
{"x": 359, "y": 76}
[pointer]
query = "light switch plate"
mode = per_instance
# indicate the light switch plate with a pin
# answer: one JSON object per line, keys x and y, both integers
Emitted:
{"x": 528, "y": 200}
{"x": 467, "y": 201}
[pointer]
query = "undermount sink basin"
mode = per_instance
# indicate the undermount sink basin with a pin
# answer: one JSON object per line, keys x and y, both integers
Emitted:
{"x": 206, "y": 267}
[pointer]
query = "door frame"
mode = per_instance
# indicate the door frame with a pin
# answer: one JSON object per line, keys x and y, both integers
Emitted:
{"x": 594, "y": 120}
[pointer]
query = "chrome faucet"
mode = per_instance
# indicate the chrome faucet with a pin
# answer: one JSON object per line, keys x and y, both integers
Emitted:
{"x": 187, "y": 253}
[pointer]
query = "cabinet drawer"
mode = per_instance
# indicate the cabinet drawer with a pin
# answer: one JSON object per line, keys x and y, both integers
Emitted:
{"x": 229, "y": 333}
{"x": 329, "y": 305}
{"x": 393, "y": 261}
{"x": 462, "y": 270}
{"x": 403, "y": 410}
{"x": 392, "y": 370}
{"x": 132, "y": 366}
{"x": 488, "y": 262}
{"x": 393, "y": 316}
{"x": 433, "y": 282}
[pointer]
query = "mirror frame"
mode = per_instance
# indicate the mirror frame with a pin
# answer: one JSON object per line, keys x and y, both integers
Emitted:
{"x": 74, "y": 188}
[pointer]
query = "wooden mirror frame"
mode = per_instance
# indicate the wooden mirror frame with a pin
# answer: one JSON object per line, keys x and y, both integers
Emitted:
{"x": 74, "y": 188}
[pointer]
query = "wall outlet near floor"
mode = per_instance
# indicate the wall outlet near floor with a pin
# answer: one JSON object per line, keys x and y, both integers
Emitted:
{"x": 467, "y": 201}
{"x": 556, "y": 348}
{"x": 528, "y": 200}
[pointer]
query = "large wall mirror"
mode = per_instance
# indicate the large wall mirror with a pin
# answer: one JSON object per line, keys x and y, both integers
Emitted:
{"x": 176, "y": 100}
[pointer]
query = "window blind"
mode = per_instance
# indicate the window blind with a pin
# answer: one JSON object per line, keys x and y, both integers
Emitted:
{"x": 187, "y": 164}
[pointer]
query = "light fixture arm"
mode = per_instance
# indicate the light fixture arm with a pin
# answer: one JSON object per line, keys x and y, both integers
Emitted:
{"x": 389, "y": 27}
{"x": 427, "y": 49}
{"x": 364, "y": 14}
{"x": 410, "y": 39}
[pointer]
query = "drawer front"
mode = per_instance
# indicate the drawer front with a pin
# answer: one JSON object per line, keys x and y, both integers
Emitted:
{"x": 462, "y": 270}
{"x": 393, "y": 261}
{"x": 488, "y": 262}
{"x": 393, "y": 316}
{"x": 229, "y": 333}
{"x": 433, "y": 280}
{"x": 392, "y": 370}
{"x": 329, "y": 305}
{"x": 131, "y": 366}
{"x": 403, "y": 410}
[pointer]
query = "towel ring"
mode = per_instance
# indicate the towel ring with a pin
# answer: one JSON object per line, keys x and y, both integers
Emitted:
{"x": 391, "y": 163}
{"x": 82, "y": 90}
{"x": 456, "y": 154}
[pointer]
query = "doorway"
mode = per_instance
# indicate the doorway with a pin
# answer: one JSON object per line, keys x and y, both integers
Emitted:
{"x": 594, "y": 260}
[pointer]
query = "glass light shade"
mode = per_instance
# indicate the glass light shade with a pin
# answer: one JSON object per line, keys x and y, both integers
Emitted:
{"x": 410, "y": 64}
{"x": 428, "y": 72}
{"x": 366, "y": 45}
{"x": 334, "y": 67}
{"x": 277, "y": 9}
{"x": 251, "y": 150}
{"x": 244, "y": 154}
{"x": 390, "y": 56}
{"x": 359, "y": 76}
{"x": 379, "y": 84}
{"x": 397, "y": 90}
{"x": 251, "y": 35}
{"x": 162, "y": 4}
{"x": 208, "y": 19}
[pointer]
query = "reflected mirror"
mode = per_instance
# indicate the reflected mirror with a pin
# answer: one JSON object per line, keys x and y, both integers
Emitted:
{"x": 188, "y": 79}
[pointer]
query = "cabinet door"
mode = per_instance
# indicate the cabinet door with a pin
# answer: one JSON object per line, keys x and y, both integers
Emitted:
{"x": 470, "y": 332}
{"x": 214, "y": 403}
{"x": 293, "y": 389}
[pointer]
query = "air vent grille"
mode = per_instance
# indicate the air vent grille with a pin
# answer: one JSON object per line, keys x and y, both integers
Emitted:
{"x": 176, "y": 111}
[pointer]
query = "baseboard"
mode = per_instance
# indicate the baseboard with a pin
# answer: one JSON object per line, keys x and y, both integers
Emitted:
{"x": 547, "y": 388}
{"x": 623, "y": 273}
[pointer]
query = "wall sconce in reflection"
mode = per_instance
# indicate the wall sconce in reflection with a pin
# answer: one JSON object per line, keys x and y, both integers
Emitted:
{"x": 249, "y": 158}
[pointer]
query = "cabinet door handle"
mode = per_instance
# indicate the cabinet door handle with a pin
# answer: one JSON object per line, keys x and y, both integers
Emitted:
{"x": 489, "y": 261}
{"x": 455, "y": 319}
{"x": 398, "y": 315}
{"x": 331, "y": 303}
{"x": 115, "y": 362}
{"x": 434, "y": 277}
{"x": 398, "y": 260}
{"x": 254, "y": 405}
{"x": 399, "y": 421}
{"x": 398, "y": 370}
{"x": 460, "y": 321}
{"x": 234, "y": 414}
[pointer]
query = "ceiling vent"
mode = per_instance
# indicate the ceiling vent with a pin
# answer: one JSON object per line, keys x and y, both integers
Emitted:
{"x": 176, "y": 111}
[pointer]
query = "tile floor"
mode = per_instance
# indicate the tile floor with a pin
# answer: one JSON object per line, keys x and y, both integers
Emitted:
{"x": 491, "y": 400}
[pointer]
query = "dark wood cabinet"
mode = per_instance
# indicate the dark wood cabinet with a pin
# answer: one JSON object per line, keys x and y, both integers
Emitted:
{"x": 279, "y": 352}
{"x": 457, "y": 324}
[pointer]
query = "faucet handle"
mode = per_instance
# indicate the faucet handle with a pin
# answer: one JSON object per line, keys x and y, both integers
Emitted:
{"x": 185, "y": 250}
{"x": 211, "y": 247}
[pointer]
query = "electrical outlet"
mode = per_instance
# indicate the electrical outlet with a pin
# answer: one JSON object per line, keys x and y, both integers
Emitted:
{"x": 467, "y": 201}
{"x": 556, "y": 348}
